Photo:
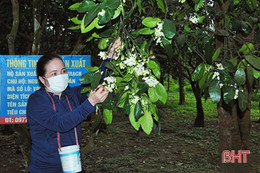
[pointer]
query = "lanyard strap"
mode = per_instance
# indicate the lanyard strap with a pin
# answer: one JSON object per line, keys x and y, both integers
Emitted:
{"x": 58, "y": 133}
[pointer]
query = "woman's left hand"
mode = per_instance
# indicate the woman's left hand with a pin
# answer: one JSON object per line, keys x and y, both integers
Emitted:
{"x": 115, "y": 48}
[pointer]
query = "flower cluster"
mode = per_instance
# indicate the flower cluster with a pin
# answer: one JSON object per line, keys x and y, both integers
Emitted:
{"x": 194, "y": 20}
{"x": 140, "y": 70}
{"x": 102, "y": 55}
{"x": 109, "y": 83}
{"x": 151, "y": 81}
{"x": 135, "y": 99}
{"x": 131, "y": 61}
{"x": 158, "y": 33}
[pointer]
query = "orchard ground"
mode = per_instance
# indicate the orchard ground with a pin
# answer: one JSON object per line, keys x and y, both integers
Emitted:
{"x": 179, "y": 148}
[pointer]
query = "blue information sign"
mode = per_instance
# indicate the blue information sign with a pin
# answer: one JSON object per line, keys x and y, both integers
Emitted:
{"x": 18, "y": 80}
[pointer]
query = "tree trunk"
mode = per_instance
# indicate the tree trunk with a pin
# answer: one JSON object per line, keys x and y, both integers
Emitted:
{"x": 11, "y": 37}
{"x": 37, "y": 26}
{"x": 181, "y": 86}
{"x": 199, "y": 121}
{"x": 79, "y": 46}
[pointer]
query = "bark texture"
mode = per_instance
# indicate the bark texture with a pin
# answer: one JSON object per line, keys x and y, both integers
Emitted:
{"x": 11, "y": 37}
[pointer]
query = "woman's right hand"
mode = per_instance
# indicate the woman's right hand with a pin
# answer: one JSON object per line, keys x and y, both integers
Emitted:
{"x": 98, "y": 95}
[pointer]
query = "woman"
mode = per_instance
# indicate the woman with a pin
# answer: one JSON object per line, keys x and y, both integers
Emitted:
{"x": 56, "y": 107}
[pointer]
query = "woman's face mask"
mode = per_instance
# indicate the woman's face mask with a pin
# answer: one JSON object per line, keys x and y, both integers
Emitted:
{"x": 58, "y": 83}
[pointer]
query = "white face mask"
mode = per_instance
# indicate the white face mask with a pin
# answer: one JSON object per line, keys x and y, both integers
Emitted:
{"x": 58, "y": 83}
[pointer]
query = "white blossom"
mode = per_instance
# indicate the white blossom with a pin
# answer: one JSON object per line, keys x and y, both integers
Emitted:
{"x": 194, "y": 19}
{"x": 159, "y": 40}
{"x": 151, "y": 81}
{"x": 110, "y": 79}
{"x": 236, "y": 94}
{"x": 135, "y": 99}
{"x": 130, "y": 61}
{"x": 102, "y": 13}
{"x": 126, "y": 87}
{"x": 122, "y": 65}
{"x": 158, "y": 33}
{"x": 110, "y": 83}
{"x": 216, "y": 75}
{"x": 221, "y": 85}
{"x": 140, "y": 70}
{"x": 220, "y": 66}
{"x": 102, "y": 55}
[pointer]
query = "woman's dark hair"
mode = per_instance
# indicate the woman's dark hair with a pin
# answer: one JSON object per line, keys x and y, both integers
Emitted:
{"x": 41, "y": 64}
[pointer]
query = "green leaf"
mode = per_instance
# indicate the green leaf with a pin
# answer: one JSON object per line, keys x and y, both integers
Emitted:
{"x": 242, "y": 100}
{"x": 103, "y": 43}
{"x": 214, "y": 91}
{"x": 110, "y": 102}
{"x": 107, "y": 16}
{"x": 113, "y": 4}
{"x": 92, "y": 25}
{"x": 198, "y": 5}
{"x": 233, "y": 61}
{"x": 86, "y": 78}
{"x": 250, "y": 75}
{"x": 135, "y": 124}
{"x": 76, "y": 20}
{"x": 155, "y": 68}
{"x": 198, "y": 73}
{"x": 161, "y": 93}
{"x": 96, "y": 80}
{"x": 127, "y": 105}
{"x": 151, "y": 22}
{"x": 240, "y": 76}
{"x": 169, "y": 28}
{"x": 202, "y": 80}
{"x": 253, "y": 61}
{"x": 74, "y": 27}
{"x": 144, "y": 31}
{"x": 138, "y": 110}
{"x": 157, "y": 128}
{"x": 228, "y": 94}
{"x": 216, "y": 54}
{"x": 236, "y": 2}
{"x": 256, "y": 73}
{"x": 117, "y": 12}
{"x": 127, "y": 78}
{"x": 181, "y": 40}
{"x": 229, "y": 67}
{"x": 247, "y": 48}
{"x": 91, "y": 69}
{"x": 74, "y": 6}
{"x": 84, "y": 90}
{"x": 146, "y": 122}
{"x": 88, "y": 18}
{"x": 208, "y": 47}
{"x": 86, "y": 6}
{"x": 152, "y": 94}
{"x": 108, "y": 116}
{"x": 161, "y": 5}
{"x": 187, "y": 27}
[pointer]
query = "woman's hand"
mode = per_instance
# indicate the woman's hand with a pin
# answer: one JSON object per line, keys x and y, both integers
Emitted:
{"x": 98, "y": 95}
{"x": 114, "y": 49}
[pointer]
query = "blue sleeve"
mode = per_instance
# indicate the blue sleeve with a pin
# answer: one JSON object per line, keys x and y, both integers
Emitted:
{"x": 40, "y": 109}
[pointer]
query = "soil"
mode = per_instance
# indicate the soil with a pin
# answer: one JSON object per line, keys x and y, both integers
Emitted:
{"x": 119, "y": 148}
